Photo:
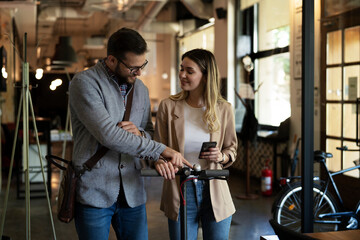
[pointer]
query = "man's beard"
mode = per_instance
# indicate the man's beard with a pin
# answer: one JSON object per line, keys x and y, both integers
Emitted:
{"x": 122, "y": 79}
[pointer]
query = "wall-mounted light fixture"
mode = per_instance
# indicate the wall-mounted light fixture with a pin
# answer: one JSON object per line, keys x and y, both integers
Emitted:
{"x": 248, "y": 64}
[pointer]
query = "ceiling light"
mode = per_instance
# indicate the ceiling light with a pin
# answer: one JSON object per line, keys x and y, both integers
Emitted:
{"x": 164, "y": 75}
{"x": 39, "y": 73}
{"x": 55, "y": 83}
{"x": 64, "y": 52}
{"x": 52, "y": 87}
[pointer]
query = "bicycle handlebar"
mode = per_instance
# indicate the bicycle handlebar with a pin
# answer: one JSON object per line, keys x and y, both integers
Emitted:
{"x": 345, "y": 148}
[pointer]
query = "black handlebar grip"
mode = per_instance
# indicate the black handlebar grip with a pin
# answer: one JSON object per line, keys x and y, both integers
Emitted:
{"x": 149, "y": 173}
{"x": 215, "y": 173}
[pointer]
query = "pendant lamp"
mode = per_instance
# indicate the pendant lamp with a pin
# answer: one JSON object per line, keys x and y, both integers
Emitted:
{"x": 64, "y": 52}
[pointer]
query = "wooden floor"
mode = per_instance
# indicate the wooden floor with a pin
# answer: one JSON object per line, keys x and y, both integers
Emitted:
{"x": 249, "y": 222}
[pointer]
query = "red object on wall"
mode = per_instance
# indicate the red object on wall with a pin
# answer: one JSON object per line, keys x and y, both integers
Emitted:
{"x": 266, "y": 180}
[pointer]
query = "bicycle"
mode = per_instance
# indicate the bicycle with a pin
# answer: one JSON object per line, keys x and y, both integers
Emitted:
{"x": 186, "y": 174}
{"x": 328, "y": 213}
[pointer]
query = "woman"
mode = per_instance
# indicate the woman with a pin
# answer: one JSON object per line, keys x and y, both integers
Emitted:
{"x": 184, "y": 121}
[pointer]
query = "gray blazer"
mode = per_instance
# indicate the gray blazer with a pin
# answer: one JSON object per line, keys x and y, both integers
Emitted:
{"x": 96, "y": 106}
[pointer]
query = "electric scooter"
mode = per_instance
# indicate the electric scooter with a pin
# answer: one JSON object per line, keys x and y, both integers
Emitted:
{"x": 186, "y": 173}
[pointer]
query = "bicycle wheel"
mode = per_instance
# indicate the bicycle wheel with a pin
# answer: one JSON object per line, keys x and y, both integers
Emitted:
{"x": 287, "y": 209}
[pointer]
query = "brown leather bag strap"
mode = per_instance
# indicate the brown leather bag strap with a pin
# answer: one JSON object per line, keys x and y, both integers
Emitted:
{"x": 89, "y": 164}
{"x": 128, "y": 104}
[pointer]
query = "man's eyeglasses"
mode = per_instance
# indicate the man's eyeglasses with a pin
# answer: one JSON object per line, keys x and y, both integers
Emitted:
{"x": 134, "y": 69}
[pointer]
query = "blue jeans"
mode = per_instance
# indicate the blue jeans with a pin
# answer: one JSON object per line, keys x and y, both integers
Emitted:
{"x": 94, "y": 223}
{"x": 199, "y": 209}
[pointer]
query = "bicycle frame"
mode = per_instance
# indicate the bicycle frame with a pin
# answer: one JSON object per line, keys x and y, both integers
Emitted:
{"x": 331, "y": 180}
{"x": 330, "y": 177}
{"x": 321, "y": 157}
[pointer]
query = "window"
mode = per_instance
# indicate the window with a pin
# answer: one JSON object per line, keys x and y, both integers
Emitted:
{"x": 272, "y": 101}
{"x": 266, "y": 24}
{"x": 340, "y": 81}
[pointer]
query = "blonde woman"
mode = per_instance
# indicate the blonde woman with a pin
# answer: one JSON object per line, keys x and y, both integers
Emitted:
{"x": 184, "y": 121}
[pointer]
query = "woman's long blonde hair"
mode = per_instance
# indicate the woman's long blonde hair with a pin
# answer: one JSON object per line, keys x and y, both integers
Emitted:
{"x": 207, "y": 64}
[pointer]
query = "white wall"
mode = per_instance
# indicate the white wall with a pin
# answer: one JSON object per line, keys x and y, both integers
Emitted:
{"x": 225, "y": 45}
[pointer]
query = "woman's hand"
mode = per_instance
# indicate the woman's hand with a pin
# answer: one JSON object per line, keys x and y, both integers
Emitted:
{"x": 213, "y": 155}
{"x": 166, "y": 169}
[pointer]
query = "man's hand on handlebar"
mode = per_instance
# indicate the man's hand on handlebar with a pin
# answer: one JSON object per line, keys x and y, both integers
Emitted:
{"x": 173, "y": 161}
{"x": 175, "y": 158}
{"x": 166, "y": 169}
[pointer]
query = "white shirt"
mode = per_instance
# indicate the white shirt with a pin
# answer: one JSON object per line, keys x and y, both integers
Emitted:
{"x": 196, "y": 132}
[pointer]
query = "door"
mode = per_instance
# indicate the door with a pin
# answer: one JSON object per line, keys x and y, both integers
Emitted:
{"x": 340, "y": 84}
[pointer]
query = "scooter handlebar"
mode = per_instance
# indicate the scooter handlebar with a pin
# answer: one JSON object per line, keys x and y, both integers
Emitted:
{"x": 149, "y": 173}
{"x": 187, "y": 172}
{"x": 214, "y": 173}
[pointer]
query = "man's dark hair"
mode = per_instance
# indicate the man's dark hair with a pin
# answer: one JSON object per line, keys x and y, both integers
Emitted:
{"x": 126, "y": 40}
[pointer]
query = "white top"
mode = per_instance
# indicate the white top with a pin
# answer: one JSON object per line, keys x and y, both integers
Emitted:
{"x": 196, "y": 132}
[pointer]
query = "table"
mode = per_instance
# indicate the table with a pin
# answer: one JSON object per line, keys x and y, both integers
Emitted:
{"x": 343, "y": 235}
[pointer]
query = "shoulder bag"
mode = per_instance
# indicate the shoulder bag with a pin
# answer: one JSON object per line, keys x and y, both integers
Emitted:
{"x": 67, "y": 190}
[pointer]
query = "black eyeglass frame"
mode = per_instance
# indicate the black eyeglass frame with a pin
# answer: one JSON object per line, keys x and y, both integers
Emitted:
{"x": 134, "y": 69}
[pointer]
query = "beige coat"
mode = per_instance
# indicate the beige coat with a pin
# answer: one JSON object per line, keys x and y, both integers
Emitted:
{"x": 169, "y": 130}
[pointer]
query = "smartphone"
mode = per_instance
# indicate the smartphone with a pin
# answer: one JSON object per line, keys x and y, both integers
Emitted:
{"x": 206, "y": 145}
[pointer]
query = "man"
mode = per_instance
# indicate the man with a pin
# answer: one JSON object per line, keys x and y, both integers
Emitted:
{"x": 113, "y": 191}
